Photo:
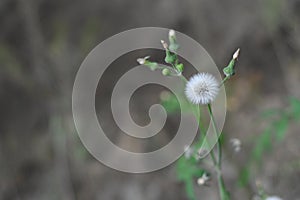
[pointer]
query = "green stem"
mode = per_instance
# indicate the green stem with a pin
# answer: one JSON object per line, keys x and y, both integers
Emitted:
{"x": 224, "y": 80}
{"x": 224, "y": 195}
{"x": 211, "y": 153}
{"x": 217, "y": 135}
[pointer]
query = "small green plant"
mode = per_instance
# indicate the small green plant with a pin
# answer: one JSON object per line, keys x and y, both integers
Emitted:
{"x": 200, "y": 91}
{"x": 278, "y": 123}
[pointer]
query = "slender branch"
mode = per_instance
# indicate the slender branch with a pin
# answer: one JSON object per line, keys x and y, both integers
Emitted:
{"x": 224, "y": 80}
{"x": 224, "y": 195}
{"x": 217, "y": 135}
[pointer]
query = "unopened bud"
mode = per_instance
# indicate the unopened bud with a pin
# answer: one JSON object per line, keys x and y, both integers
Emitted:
{"x": 165, "y": 45}
{"x": 142, "y": 61}
{"x": 180, "y": 67}
{"x": 236, "y": 54}
{"x": 166, "y": 72}
{"x": 203, "y": 179}
{"x": 171, "y": 33}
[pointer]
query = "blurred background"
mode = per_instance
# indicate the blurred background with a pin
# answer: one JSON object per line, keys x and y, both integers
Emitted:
{"x": 42, "y": 44}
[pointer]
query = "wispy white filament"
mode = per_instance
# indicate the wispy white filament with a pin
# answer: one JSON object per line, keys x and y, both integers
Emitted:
{"x": 202, "y": 88}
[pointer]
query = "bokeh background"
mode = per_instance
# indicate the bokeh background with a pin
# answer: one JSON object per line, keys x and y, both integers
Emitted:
{"x": 42, "y": 44}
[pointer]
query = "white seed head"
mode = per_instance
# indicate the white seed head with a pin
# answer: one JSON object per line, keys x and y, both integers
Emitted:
{"x": 172, "y": 33}
{"x": 142, "y": 61}
{"x": 236, "y": 54}
{"x": 202, "y": 88}
{"x": 165, "y": 45}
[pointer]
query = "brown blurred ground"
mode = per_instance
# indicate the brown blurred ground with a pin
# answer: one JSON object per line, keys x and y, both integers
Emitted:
{"x": 42, "y": 44}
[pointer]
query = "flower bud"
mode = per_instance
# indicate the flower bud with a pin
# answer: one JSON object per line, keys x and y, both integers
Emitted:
{"x": 172, "y": 33}
{"x": 166, "y": 72}
{"x": 180, "y": 67}
{"x": 203, "y": 179}
{"x": 236, "y": 54}
{"x": 165, "y": 45}
{"x": 142, "y": 61}
{"x": 173, "y": 43}
{"x": 170, "y": 57}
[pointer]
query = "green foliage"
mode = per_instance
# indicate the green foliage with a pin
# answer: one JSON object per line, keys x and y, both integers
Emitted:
{"x": 187, "y": 171}
{"x": 264, "y": 142}
{"x": 229, "y": 69}
{"x": 152, "y": 65}
{"x": 170, "y": 57}
{"x": 171, "y": 103}
{"x": 279, "y": 120}
{"x": 295, "y": 108}
{"x": 175, "y": 68}
{"x": 166, "y": 72}
{"x": 179, "y": 67}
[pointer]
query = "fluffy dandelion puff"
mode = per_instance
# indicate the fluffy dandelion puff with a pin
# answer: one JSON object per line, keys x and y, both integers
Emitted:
{"x": 202, "y": 88}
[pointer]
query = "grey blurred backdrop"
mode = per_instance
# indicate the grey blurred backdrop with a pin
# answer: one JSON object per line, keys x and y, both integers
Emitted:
{"x": 42, "y": 44}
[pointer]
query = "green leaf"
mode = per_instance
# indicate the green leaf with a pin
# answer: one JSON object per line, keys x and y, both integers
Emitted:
{"x": 281, "y": 128}
{"x": 187, "y": 170}
{"x": 189, "y": 189}
{"x": 295, "y": 105}
{"x": 244, "y": 176}
{"x": 270, "y": 113}
{"x": 171, "y": 103}
{"x": 263, "y": 143}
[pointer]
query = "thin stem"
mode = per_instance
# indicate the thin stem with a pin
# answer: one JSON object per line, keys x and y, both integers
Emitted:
{"x": 224, "y": 195}
{"x": 223, "y": 81}
{"x": 211, "y": 153}
{"x": 217, "y": 135}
